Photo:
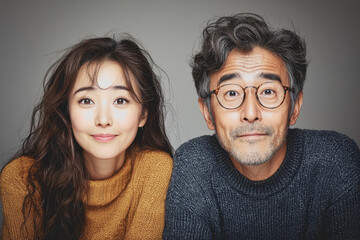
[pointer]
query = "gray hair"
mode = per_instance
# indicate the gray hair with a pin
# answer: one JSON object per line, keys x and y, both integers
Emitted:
{"x": 243, "y": 32}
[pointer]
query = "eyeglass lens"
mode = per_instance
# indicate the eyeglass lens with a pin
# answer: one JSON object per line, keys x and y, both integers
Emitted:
{"x": 269, "y": 95}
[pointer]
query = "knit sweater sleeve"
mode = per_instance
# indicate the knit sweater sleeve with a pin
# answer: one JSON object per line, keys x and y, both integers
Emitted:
{"x": 342, "y": 218}
{"x": 186, "y": 215}
{"x": 12, "y": 193}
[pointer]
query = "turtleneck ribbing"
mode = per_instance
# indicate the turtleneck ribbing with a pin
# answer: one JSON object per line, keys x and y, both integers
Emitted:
{"x": 275, "y": 183}
{"x": 103, "y": 192}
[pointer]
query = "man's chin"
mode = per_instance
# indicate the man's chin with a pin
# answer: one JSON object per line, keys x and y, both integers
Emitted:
{"x": 250, "y": 158}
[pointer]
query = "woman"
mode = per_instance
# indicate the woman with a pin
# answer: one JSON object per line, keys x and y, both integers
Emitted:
{"x": 97, "y": 161}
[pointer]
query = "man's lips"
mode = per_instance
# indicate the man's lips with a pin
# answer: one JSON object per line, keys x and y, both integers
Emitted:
{"x": 253, "y": 132}
{"x": 252, "y": 135}
{"x": 104, "y": 137}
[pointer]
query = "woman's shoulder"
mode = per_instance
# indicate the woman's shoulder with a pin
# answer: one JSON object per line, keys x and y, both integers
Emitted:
{"x": 18, "y": 165}
{"x": 153, "y": 160}
{"x": 16, "y": 171}
{"x": 155, "y": 154}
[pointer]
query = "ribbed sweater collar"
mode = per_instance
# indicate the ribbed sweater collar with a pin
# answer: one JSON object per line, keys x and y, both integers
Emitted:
{"x": 280, "y": 179}
{"x": 103, "y": 192}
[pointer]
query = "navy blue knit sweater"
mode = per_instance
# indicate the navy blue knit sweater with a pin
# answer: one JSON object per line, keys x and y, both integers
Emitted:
{"x": 315, "y": 194}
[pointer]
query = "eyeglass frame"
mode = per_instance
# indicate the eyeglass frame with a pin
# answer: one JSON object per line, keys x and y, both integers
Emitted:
{"x": 216, "y": 91}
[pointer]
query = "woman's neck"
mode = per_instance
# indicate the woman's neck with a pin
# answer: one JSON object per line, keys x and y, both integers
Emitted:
{"x": 100, "y": 169}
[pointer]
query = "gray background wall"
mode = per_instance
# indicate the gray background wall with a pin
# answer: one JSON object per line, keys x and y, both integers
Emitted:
{"x": 33, "y": 32}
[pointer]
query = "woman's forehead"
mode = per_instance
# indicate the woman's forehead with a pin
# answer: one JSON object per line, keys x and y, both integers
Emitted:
{"x": 102, "y": 75}
{"x": 105, "y": 75}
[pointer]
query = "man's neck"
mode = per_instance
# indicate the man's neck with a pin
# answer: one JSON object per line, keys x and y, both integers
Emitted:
{"x": 263, "y": 171}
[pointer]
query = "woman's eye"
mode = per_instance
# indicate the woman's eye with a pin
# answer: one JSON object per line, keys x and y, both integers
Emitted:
{"x": 86, "y": 101}
{"x": 121, "y": 101}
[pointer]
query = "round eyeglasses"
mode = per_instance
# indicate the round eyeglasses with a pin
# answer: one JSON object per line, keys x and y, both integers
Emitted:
{"x": 269, "y": 95}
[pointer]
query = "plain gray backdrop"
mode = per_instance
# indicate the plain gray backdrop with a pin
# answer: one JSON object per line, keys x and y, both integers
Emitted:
{"x": 34, "y": 33}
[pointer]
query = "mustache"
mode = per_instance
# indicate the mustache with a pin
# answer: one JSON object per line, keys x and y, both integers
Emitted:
{"x": 251, "y": 128}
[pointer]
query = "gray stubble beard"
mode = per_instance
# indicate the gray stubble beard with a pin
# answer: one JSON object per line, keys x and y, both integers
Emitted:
{"x": 254, "y": 158}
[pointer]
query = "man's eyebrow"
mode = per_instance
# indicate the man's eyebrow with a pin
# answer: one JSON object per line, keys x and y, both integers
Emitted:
{"x": 120, "y": 87}
{"x": 270, "y": 76}
{"x": 228, "y": 77}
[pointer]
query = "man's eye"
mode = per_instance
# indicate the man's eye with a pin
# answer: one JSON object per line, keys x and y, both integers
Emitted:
{"x": 231, "y": 93}
{"x": 268, "y": 92}
{"x": 121, "y": 101}
{"x": 86, "y": 101}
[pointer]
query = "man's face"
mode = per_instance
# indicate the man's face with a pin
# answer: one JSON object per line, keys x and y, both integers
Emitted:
{"x": 251, "y": 133}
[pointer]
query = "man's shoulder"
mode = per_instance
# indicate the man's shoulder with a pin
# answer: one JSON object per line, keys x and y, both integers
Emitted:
{"x": 196, "y": 144}
{"x": 325, "y": 139}
{"x": 199, "y": 151}
{"x": 332, "y": 154}
{"x": 330, "y": 146}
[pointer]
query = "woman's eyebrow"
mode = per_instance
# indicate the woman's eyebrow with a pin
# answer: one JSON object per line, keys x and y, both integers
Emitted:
{"x": 120, "y": 87}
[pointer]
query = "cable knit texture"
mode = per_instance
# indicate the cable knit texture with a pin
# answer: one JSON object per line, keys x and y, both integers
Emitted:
{"x": 129, "y": 205}
{"x": 315, "y": 194}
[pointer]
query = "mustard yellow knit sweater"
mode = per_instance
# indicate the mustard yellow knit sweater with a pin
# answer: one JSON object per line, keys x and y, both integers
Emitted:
{"x": 129, "y": 205}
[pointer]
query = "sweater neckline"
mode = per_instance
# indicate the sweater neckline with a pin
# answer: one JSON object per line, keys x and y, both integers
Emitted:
{"x": 280, "y": 179}
{"x": 103, "y": 192}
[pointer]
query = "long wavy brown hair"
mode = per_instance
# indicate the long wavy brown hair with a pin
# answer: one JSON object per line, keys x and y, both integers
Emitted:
{"x": 58, "y": 179}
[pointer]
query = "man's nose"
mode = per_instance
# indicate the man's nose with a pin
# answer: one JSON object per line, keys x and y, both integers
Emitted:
{"x": 250, "y": 109}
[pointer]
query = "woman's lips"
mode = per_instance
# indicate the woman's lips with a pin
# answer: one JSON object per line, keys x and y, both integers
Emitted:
{"x": 104, "y": 137}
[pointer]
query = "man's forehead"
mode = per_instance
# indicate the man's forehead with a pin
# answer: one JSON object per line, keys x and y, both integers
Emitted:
{"x": 256, "y": 63}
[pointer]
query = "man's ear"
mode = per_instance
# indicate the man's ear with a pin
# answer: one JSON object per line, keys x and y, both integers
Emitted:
{"x": 205, "y": 111}
{"x": 297, "y": 108}
{"x": 143, "y": 118}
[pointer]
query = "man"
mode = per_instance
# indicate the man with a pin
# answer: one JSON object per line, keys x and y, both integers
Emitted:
{"x": 256, "y": 178}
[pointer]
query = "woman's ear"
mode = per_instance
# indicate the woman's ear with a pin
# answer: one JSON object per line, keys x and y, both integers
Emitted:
{"x": 143, "y": 118}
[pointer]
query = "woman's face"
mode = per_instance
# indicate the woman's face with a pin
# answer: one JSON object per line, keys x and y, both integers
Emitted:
{"x": 104, "y": 116}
